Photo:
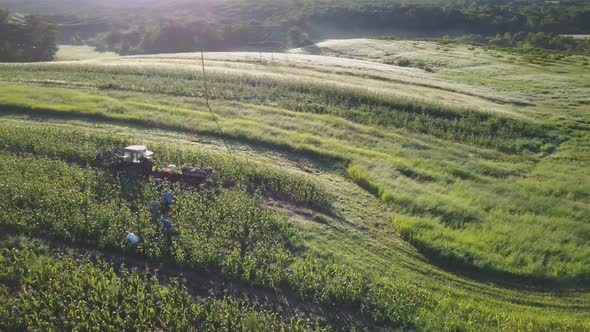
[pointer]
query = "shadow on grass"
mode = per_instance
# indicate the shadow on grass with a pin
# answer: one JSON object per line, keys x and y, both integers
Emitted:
{"x": 455, "y": 264}
{"x": 464, "y": 268}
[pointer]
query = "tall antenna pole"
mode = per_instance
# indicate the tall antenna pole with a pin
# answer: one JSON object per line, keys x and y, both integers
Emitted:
{"x": 207, "y": 100}
{"x": 205, "y": 82}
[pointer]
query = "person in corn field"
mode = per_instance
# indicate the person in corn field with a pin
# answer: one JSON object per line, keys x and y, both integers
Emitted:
{"x": 167, "y": 225}
{"x": 168, "y": 199}
{"x": 132, "y": 239}
{"x": 168, "y": 230}
{"x": 155, "y": 209}
{"x": 159, "y": 184}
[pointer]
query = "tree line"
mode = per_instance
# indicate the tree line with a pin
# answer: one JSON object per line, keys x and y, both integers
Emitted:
{"x": 173, "y": 36}
{"x": 524, "y": 40}
{"x": 29, "y": 39}
{"x": 275, "y": 24}
{"x": 482, "y": 17}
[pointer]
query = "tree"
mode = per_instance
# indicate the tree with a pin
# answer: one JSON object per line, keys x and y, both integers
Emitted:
{"x": 297, "y": 38}
{"x": 8, "y": 50}
{"x": 40, "y": 42}
{"x": 33, "y": 40}
{"x": 125, "y": 47}
{"x": 174, "y": 38}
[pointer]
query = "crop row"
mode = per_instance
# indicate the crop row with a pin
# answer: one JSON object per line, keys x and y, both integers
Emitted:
{"x": 64, "y": 291}
{"x": 77, "y": 146}
{"x": 469, "y": 126}
{"x": 222, "y": 230}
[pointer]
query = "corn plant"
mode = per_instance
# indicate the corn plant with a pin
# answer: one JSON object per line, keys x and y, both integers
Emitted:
{"x": 63, "y": 291}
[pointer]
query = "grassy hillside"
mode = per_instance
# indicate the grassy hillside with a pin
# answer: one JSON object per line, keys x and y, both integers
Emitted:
{"x": 69, "y": 53}
{"x": 435, "y": 199}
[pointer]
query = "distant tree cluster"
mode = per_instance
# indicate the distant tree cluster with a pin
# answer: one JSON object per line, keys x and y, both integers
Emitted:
{"x": 180, "y": 36}
{"x": 28, "y": 40}
{"x": 549, "y": 41}
{"x": 482, "y": 17}
{"x": 216, "y": 25}
{"x": 297, "y": 38}
{"x": 540, "y": 40}
{"x": 234, "y": 24}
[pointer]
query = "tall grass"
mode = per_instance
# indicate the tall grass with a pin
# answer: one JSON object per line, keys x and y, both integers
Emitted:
{"x": 363, "y": 106}
{"x": 464, "y": 236}
{"x": 67, "y": 104}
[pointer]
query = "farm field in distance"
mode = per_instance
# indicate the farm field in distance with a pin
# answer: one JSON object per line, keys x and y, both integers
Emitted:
{"x": 70, "y": 52}
{"x": 364, "y": 184}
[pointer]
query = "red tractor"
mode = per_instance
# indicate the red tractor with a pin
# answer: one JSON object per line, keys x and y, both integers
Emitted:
{"x": 137, "y": 160}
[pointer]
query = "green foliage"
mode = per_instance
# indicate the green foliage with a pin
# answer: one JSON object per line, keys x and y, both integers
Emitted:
{"x": 153, "y": 28}
{"x": 226, "y": 230}
{"x": 297, "y": 38}
{"x": 361, "y": 177}
{"x": 79, "y": 147}
{"x": 30, "y": 39}
{"x": 515, "y": 219}
{"x": 403, "y": 62}
{"x": 332, "y": 284}
{"x": 68, "y": 292}
{"x": 223, "y": 230}
{"x": 218, "y": 229}
{"x": 460, "y": 197}
{"x": 462, "y": 125}
{"x": 443, "y": 228}
{"x": 524, "y": 42}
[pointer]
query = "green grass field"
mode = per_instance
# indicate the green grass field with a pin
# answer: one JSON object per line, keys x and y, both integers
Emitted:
{"x": 69, "y": 53}
{"x": 377, "y": 196}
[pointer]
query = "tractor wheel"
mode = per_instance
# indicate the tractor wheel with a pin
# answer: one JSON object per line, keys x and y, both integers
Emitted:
{"x": 174, "y": 177}
{"x": 135, "y": 170}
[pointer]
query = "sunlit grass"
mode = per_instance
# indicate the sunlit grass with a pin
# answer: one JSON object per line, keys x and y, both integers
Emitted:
{"x": 511, "y": 207}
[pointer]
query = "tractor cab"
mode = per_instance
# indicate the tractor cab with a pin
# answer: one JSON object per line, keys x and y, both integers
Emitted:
{"x": 137, "y": 154}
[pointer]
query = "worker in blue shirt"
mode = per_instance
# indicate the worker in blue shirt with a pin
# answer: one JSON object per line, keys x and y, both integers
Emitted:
{"x": 168, "y": 198}
{"x": 132, "y": 239}
{"x": 167, "y": 225}
{"x": 168, "y": 230}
